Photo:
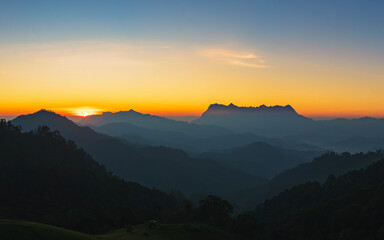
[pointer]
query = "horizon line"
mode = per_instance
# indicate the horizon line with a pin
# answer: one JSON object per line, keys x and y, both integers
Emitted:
{"x": 171, "y": 115}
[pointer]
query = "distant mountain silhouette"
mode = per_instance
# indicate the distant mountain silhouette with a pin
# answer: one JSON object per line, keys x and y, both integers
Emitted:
{"x": 159, "y": 167}
{"x": 220, "y": 109}
{"x": 143, "y": 135}
{"x": 358, "y": 144}
{"x": 276, "y": 125}
{"x": 180, "y": 140}
{"x": 285, "y": 123}
{"x": 154, "y": 123}
{"x": 262, "y": 159}
{"x": 274, "y": 121}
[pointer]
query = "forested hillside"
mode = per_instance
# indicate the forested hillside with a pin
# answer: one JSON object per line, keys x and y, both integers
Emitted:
{"x": 345, "y": 207}
{"x": 319, "y": 169}
{"x": 45, "y": 178}
{"x": 161, "y": 167}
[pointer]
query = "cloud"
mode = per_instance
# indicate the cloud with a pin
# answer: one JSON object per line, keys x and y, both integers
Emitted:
{"x": 236, "y": 58}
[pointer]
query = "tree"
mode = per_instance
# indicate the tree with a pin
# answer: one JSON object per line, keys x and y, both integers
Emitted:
{"x": 215, "y": 211}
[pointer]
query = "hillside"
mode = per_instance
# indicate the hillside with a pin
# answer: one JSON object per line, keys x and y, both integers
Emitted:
{"x": 344, "y": 207}
{"x": 262, "y": 159}
{"x": 45, "y": 178}
{"x": 186, "y": 231}
{"x": 160, "y": 167}
{"x": 318, "y": 170}
{"x": 21, "y": 230}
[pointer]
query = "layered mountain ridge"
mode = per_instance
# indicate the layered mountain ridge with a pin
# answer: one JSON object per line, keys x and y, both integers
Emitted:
{"x": 154, "y": 122}
{"x": 161, "y": 167}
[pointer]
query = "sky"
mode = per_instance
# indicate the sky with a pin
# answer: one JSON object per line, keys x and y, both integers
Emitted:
{"x": 174, "y": 58}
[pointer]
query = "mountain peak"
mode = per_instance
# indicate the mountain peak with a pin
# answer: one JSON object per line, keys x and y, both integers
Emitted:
{"x": 43, "y": 113}
{"x": 217, "y": 109}
{"x": 41, "y": 117}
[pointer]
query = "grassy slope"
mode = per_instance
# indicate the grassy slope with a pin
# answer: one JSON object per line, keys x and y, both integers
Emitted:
{"x": 20, "y": 230}
{"x": 170, "y": 232}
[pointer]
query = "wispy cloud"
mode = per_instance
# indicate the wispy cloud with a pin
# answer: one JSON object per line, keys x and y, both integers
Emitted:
{"x": 236, "y": 58}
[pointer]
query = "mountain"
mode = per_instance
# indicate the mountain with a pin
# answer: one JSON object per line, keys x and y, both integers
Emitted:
{"x": 191, "y": 144}
{"x": 180, "y": 140}
{"x": 276, "y": 125}
{"x": 274, "y": 121}
{"x": 318, "y": 170}
{"x": 160, "y": 167}
{"x": 262, "y": 159}
{"x": 358, "y": 144}
{"x": 45, "y": 178}
{"x": 349, "y": 136}
{"x": 143, "y": 135}
{"x": 220, "y": 109}
{"x": 284, "y": 123}
{"x": 344, "y": 207}
{"x": 154, "y": 123}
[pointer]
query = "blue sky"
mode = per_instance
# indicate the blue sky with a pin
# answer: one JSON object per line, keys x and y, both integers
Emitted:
{"x": 355, "y": 23}
{"x": 302, "y": 42}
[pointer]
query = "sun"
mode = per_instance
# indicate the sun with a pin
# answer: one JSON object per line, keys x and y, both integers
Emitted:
{"x": 84, "y": 111}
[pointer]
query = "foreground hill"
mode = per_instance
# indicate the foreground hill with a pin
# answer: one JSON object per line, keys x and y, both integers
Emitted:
{"x": 45, "y": 178}
{"x": 159, "y": 167}
{"x": 344, "y": 207}
{"x": 21, "y": 230}
{"x": 262, "y": 159}
{"x": 188, "y": 231}
{"x": 318, "y": 170}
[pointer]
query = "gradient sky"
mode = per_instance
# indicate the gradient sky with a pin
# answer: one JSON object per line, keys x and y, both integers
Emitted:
{"x": 325, "y": 58}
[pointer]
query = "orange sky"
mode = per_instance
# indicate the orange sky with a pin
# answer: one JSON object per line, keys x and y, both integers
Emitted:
{"x": 324, "y": 58}
{"x": 179, "y": 79}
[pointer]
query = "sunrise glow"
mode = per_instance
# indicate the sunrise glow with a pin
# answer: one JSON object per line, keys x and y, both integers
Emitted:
{"x": 79, "y": 112}
{"x": 169, "y": 71}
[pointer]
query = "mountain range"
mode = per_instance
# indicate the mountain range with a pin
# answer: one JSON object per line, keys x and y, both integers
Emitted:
{"x": 161, "y": 167}
{"x": 153, "y": 122}
{"x": 262, "y": 159}
{"x": 284, "y": 123}
{"x": 270, "y": 159}
{"x": 174, "y": 139}
{"x": 202, "y": 158}
{"x": 277, "y": 125}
